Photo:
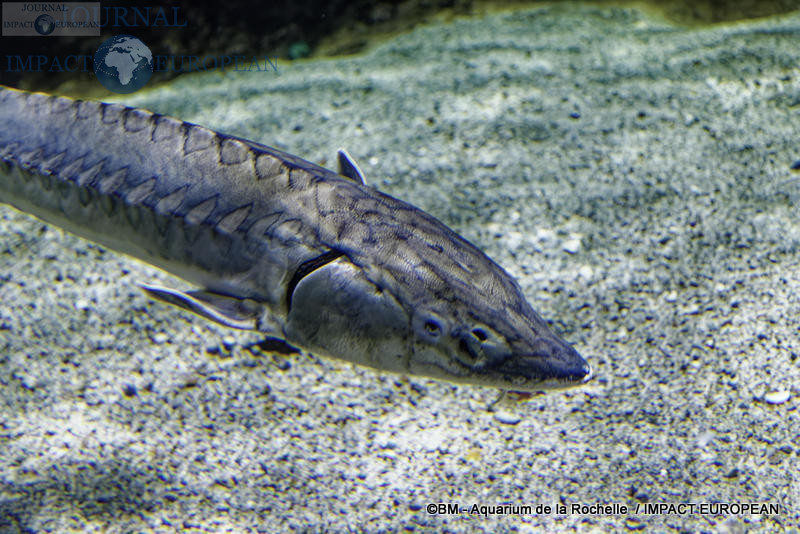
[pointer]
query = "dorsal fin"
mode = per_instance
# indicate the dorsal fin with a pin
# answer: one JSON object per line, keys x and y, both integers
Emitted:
{"x": 349, "y": 168}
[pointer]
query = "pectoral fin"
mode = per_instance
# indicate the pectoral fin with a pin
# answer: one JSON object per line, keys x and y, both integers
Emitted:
{"x": 229, "y": 311}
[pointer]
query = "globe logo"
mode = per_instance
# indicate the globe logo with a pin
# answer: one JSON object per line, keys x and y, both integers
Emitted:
{"x": 44, "y": 24}
{"x": 123, "y": 64}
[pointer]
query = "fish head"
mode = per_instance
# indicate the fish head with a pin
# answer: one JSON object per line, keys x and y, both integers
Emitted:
{"x": 472, "y": 343}
{"x": 471, "y": 321}
{"x": 446, "y": 330}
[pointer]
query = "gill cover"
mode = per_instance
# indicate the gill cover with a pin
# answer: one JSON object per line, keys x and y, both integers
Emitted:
{"x": 336, "y": 311}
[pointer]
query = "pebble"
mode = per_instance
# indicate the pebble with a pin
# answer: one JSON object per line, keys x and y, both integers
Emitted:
{"x": 777, "y": 397}
{"x": 228, "y": 342}
{"x": 572, "y": 246}
{"x": 507, "y": 418}
{"x": 634, "y": 523}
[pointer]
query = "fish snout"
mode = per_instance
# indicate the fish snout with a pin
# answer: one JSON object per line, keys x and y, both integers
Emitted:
{"x": 550, "y": 363}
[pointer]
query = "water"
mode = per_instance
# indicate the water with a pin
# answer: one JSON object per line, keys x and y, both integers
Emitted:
{"x": 633, "y": 175}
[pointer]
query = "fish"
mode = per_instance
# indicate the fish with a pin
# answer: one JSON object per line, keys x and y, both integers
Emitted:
{"x": 279, "y": 245}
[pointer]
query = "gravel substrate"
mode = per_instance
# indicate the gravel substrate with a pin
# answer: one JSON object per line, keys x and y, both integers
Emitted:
{"x": 635, "y": 176}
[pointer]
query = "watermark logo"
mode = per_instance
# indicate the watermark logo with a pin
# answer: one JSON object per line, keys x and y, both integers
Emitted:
{"x": 54, "y": 19}
{"x": 44, "y": 24}
{"x": 123, "y": 64}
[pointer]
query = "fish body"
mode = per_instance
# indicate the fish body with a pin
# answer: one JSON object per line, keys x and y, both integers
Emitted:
{"x": 277, "y": 244}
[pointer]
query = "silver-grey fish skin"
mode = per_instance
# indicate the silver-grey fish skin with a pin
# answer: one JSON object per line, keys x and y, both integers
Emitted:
{"x": 278, "y": 244}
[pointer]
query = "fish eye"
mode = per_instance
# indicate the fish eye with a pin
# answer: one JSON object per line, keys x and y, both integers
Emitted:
{"x": 430, "y": 326}
{"x": 433, "y": 327}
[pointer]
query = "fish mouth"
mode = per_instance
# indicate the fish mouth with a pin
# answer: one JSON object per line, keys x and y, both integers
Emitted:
{"x": 552, "y": 364}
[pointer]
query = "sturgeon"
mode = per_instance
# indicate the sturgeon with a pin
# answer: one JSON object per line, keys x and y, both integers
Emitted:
{"x": 277, "y": 244}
